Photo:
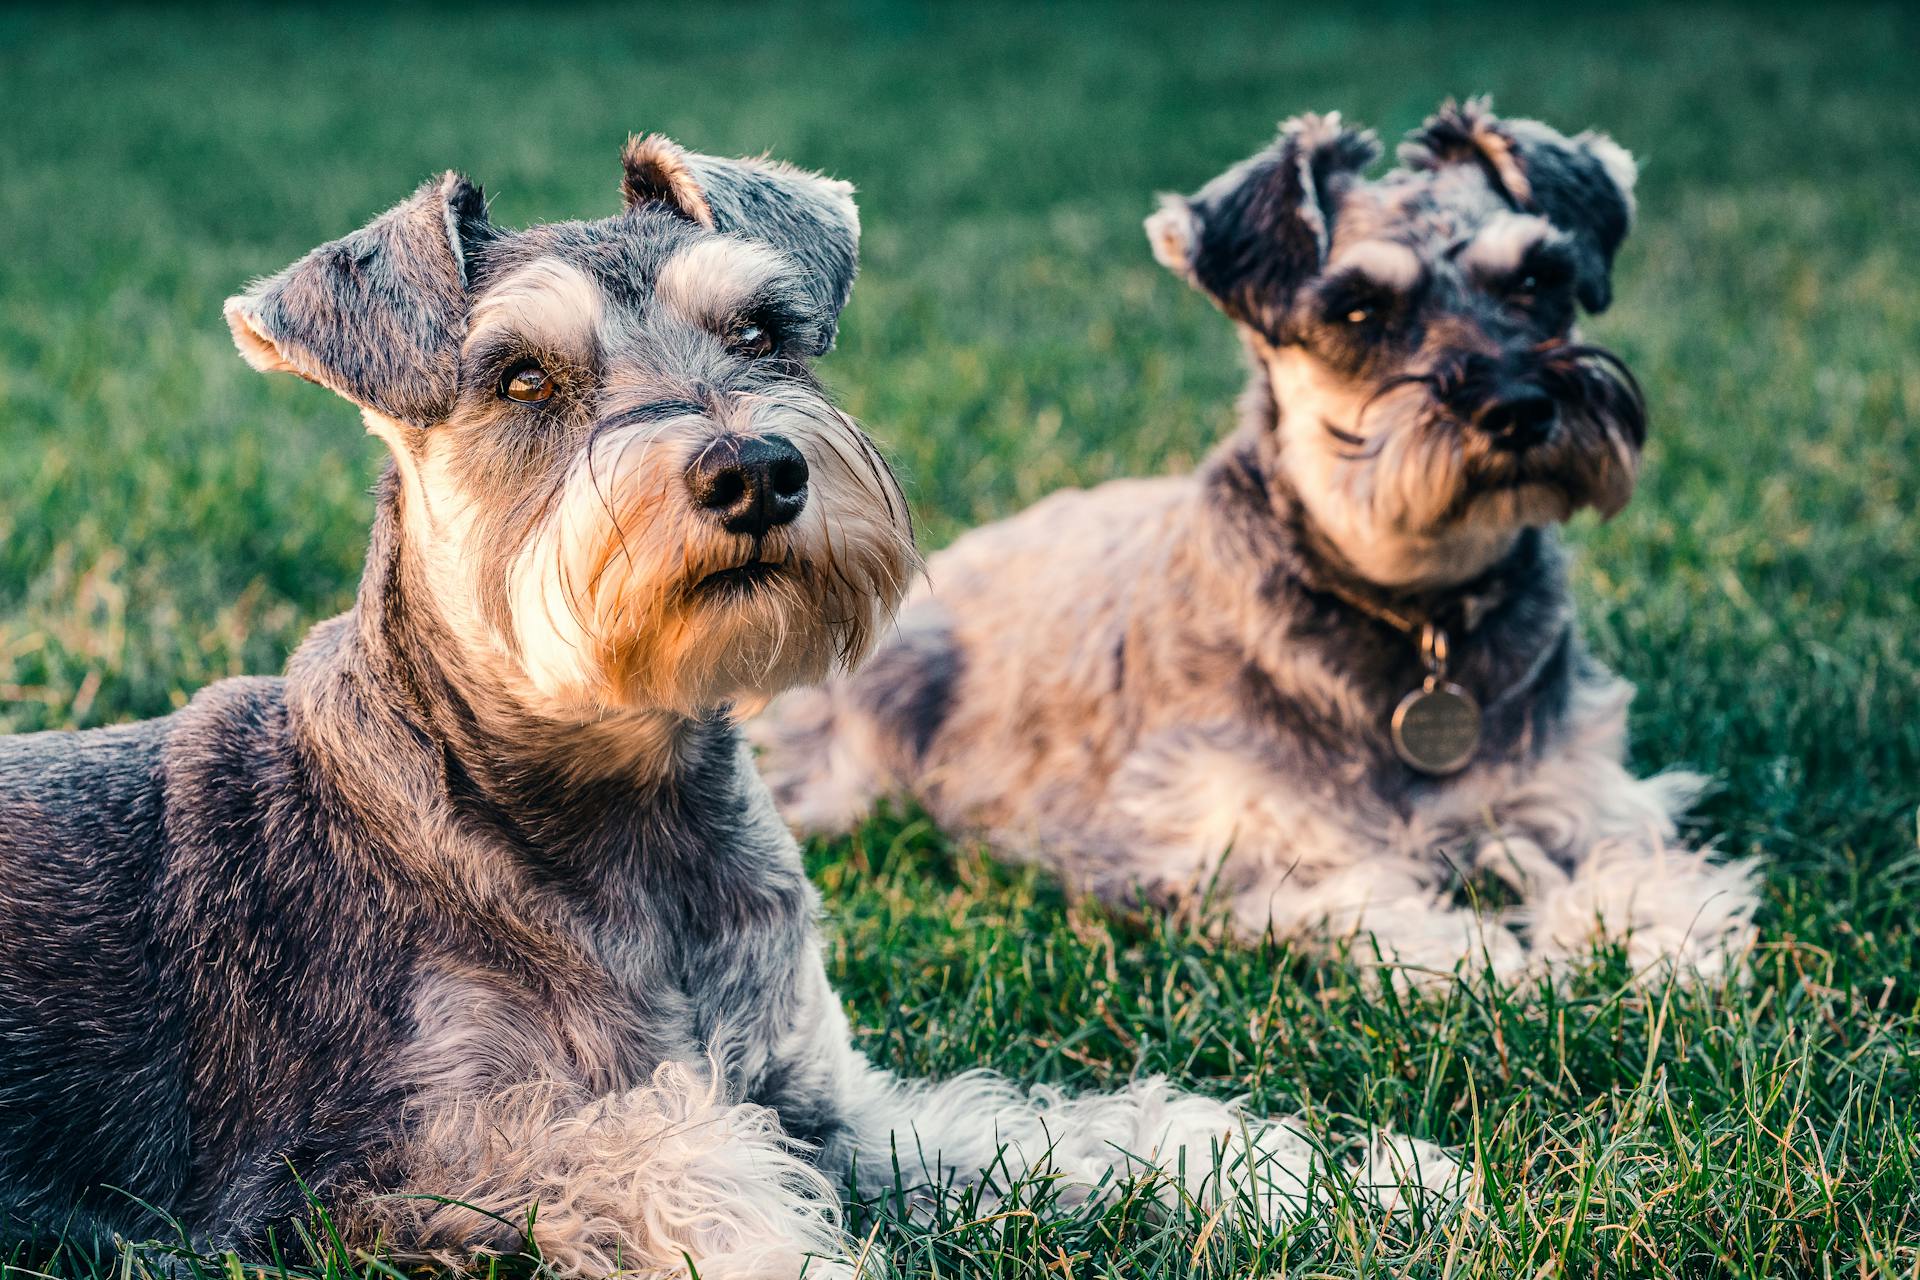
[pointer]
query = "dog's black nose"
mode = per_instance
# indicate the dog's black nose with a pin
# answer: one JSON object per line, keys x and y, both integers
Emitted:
{"x": 1519, "y": 419}
{"x": 752, "y": 484}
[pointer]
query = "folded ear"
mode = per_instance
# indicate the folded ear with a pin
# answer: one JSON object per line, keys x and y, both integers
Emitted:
{"x": 811, "y": 219}
{"x": 1252, "y": 235}
{"x": 1583, "y": 184}
{"x": 378, "y": 315}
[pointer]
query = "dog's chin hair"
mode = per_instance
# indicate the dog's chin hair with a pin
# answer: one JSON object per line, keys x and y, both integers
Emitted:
{"x": 1417, "y": 501}
{"x": 1592, "y": 466}
{"x": 1387, "y": 505}
{"x": 612, "y": 606}
{"x": 706, "y": 653}
{"x": 1518, "y": 506}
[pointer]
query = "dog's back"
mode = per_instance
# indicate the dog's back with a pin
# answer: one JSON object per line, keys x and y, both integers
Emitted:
{"x": 91, "y": 1044}
{"x": 168, "y": 962}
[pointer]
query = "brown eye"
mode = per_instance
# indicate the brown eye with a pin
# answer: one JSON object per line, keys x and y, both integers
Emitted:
{"x": 1360, "y": 315}
{"x": 527, "y": 384}
{"x": 750, "y": 340}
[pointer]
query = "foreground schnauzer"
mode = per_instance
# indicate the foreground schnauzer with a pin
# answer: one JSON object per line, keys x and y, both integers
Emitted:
{"x": 484, "y": 899}
{"x": 1342, "y": 655}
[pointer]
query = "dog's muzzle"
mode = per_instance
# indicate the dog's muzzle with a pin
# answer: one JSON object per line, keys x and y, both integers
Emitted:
{"x": 1521, "y": 400}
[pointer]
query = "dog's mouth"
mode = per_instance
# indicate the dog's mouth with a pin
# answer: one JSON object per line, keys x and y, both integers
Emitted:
{"x": 741, "y": 579}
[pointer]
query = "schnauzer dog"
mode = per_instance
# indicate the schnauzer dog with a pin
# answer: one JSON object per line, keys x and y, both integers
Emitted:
{"x": 484, "y": 899}
{"x": 1339, "y": 663}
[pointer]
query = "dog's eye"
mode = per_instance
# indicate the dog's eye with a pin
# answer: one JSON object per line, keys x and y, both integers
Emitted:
{"x": 526, "y": 383}
{"x": 1360, "y": 315}
{"x": 1537, "y": 279}
{"x": 750, "y": 340}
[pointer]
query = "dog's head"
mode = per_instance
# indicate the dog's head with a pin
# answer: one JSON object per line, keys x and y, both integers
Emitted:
{"x": 625, "y": 485}
{"x": 1417, "y": 331}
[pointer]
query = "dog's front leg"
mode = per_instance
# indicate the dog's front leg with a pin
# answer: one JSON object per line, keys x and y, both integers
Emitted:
{"x": 1206, "y": 811}
{"x": 649, "y": 1182}
{"x": 978, "y": 1131}
{"x": 1596, "y": 855}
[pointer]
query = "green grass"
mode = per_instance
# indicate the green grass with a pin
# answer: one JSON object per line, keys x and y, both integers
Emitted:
{"x": 168, "y": 517}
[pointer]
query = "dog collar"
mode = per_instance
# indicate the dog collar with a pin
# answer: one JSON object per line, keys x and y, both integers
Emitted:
{"x": 1472, "y": 607}
{"x": 1435, "y": 727}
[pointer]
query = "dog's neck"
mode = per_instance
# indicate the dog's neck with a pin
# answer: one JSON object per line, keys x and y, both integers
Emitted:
{"x": 1509, "y": 625}
{"x": 566, "y": 798}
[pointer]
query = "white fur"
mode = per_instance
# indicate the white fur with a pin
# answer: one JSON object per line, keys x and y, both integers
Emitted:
{"x": 1503, "y": 241}
{"x": 548, "y": 300}
{"x": 1387, "y": 262}
{"x": 634, "y": 1183}
{"x": 1174, "y": 232}
{"x": 709, "y": 280}
{"x": 979, "y": 1130}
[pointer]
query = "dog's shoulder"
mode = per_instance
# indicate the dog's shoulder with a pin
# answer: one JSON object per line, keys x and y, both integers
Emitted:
{"x": 229, "y": 732}
{"x": 1125, "y": 500}
{"x": 81, "y": 795}
{"x": 106, "y": 807}
{"x": 83, "y": 769}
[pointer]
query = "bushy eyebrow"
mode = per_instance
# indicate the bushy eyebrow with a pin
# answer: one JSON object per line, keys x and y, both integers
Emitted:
{"x": 1506, "y": 243}
{"x": 548, "y": 302}
{"x": 1383, "y": 264}
{"x": 716, "y": 280}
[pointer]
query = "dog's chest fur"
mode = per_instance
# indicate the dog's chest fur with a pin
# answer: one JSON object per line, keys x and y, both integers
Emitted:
{"x": 663, "y": 933}
{"x": 313, "y": 978}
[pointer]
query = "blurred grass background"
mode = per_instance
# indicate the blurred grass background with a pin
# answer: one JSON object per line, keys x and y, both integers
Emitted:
{"x": 168, "y": 517}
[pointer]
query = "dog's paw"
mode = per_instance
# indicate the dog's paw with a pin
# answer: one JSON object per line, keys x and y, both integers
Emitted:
{"x": 1677, "y": 911}
{"x": 1422, "y": 944}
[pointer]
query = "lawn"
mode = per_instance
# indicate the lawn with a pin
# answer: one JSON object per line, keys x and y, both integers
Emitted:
{"x": 168, "y": 517}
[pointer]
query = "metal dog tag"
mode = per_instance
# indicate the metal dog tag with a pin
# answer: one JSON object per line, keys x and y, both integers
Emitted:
{"x": 1436, "y": 728}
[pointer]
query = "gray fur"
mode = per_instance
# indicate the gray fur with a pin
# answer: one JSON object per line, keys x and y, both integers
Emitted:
{"x": 483, "y": 898}
{"x": 1160, "y": 684}
{"x": 811, "y": 219}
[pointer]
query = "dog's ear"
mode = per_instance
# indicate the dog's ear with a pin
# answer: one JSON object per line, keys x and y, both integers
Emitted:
{"x": 376, "y": 316}
{"x": 1252, "y": 235}
{"x": 1583, "y": 184}
{"x": 811, "y": 219}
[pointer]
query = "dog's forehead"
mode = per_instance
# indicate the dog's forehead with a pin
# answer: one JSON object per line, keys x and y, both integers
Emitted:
{"x": 1430, "y": 211}
{"x": 589, "y": 280}
{"x": 620, "y": 256}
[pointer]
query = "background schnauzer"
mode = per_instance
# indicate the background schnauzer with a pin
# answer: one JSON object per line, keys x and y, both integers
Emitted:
{"x": 485, "y": 899}
{"x": 1342, "y": 655}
